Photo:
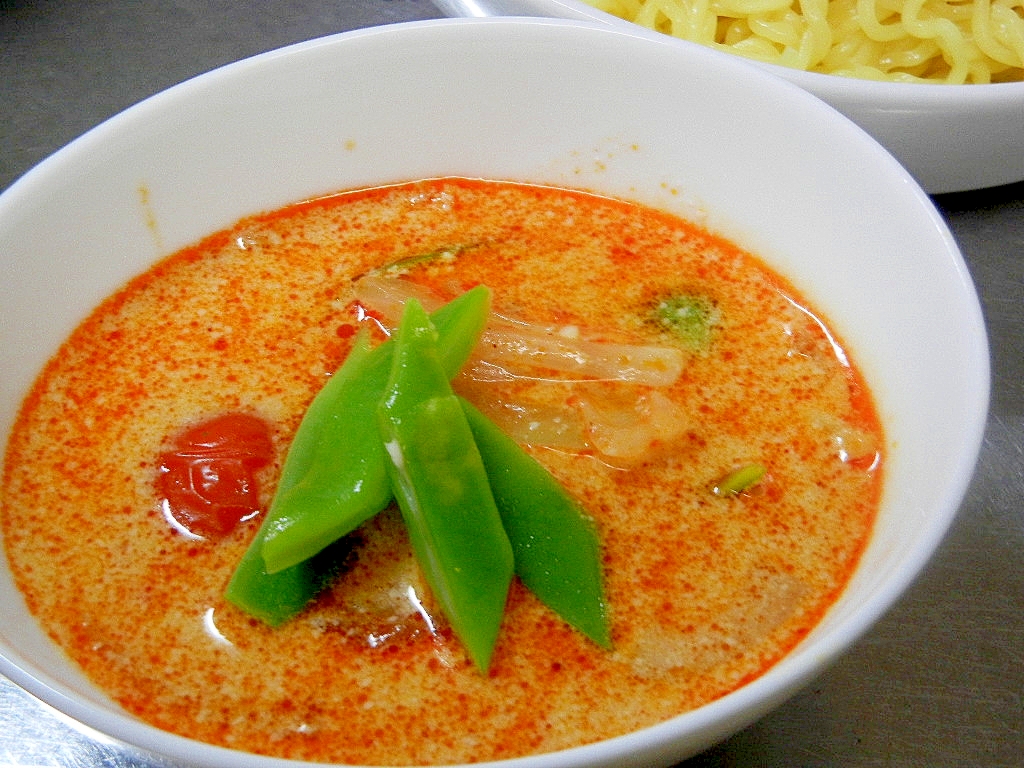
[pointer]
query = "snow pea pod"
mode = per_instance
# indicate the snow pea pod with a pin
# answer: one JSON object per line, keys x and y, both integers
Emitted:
{"x": 334, "y": 476}
{"x": 275, "y": 598}
{"x": 441, "y": 486}
{"x": 555, "y": 543}
{"x": 334, "y": 479}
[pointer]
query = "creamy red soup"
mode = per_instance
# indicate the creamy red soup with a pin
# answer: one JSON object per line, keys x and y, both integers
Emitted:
{"x": 706, "y": 589}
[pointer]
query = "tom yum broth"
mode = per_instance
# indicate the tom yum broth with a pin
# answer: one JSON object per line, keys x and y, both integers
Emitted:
{"x": 718, "y": 440}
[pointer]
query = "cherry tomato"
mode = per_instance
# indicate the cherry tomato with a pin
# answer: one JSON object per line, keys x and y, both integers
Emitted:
{"x": 207, "y": 478}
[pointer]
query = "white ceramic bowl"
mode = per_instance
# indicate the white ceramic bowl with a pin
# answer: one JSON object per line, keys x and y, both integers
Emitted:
{"x": 951, "y": 138}
{"x": 546, "y": 101}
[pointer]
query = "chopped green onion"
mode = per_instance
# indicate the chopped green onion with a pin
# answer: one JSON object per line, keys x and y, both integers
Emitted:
{"x": 739, "y": 480}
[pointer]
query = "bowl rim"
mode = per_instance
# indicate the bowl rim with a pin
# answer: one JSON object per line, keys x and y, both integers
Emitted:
{"x": 788, "y": 674}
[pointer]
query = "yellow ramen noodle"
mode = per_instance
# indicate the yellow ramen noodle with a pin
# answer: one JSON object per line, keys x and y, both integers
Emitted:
{"x": 931, "y": 41}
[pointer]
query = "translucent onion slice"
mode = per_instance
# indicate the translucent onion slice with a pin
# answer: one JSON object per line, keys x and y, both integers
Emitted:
{"x": 514, "y": 346}
{"x": 550, "y": 422}
{"x": 630, "y": 426}
{"x": 620, "y": 423}
{"x": 518, "y": 347}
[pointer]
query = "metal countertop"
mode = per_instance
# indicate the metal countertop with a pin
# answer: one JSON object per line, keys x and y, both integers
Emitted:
{"x": 939, "y": 682}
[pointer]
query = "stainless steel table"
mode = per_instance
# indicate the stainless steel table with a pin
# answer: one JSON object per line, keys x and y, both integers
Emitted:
{"x": 939, "y": 682}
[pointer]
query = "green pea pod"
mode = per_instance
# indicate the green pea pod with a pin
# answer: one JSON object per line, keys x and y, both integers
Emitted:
{"x": 337, "y": 462}
{"x": 334, "y": 478}
{"x": 442, "y": 489}
{"x": 556, "y": 547}
{"x": 278, "y": 597}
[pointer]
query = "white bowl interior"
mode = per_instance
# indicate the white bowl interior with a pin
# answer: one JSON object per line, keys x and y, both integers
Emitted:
{"x": 551, "y": 102}
{"x": 951, "y": 137}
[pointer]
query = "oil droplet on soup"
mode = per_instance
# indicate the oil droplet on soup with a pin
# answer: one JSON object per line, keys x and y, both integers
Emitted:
{"x": 706, "y": 591}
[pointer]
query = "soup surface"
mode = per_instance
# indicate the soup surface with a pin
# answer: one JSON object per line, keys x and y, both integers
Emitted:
{"x": 705, "y": 590}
